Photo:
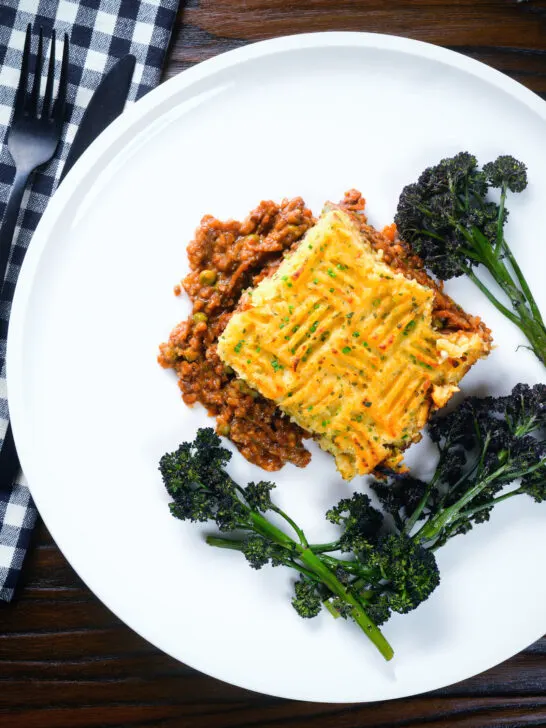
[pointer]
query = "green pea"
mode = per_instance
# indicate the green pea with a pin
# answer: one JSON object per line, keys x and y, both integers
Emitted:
{"x": 207, "y": 277}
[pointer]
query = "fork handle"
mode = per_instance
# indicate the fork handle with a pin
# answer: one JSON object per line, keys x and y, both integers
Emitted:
{"x": 9, "y": 462}
{"x": 10, "y": 221}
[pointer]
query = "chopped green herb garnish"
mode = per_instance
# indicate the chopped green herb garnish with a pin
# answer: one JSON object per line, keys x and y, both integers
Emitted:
{"x": 346, "y": 350}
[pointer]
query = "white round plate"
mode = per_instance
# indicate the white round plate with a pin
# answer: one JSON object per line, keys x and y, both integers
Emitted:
{"x": 92, "y": 411}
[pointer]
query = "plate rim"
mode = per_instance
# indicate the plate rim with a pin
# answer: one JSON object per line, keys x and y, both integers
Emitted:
{"x": 97, "y": 154}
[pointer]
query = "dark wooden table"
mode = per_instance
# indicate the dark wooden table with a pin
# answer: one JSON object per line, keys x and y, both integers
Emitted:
{"x": 65, "y": 660}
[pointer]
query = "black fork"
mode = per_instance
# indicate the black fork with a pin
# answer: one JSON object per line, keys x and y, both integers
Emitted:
{"x": 32, "y": 140}
{"x": 34, "y": 132}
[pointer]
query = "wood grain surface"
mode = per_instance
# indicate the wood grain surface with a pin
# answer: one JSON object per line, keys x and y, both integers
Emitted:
{"x": 65, "y": 660}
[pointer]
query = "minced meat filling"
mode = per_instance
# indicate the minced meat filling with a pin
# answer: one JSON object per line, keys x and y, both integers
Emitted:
{"x": 225, "y": 259}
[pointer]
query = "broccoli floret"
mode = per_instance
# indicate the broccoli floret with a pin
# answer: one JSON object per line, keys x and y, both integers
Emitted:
{"x": 447, "y": 219}
{"x": 361, "y": 521}
{"x": 534, "y": 484}
{"x": 306, "y": 601}
{"x": 411, "y": 571}
{"x": 401, "y": 574}
{"x": 525, "y": 408}
{"x": 257, "y": 551}
{"x": 192, "y": 507}
{"x": 343, "y": 574}
{"x": 344, "y": 609}
{"x": 400, "y": 495}
{"x": 379, "y": 610}
{"x": 506, "y": 171}
{"x": 258, "y": 495}
{"x": 194, "y": 477}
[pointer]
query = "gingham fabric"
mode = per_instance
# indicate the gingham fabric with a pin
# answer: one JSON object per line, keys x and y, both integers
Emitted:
{"x": 100, "y": 32}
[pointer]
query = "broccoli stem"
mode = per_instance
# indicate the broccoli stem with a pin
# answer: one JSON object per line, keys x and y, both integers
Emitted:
{"x": 354, "y": 567}
{"x": 225, "y": 543}
{"x": 319, "y": 548}
{"x": 466, "y": 513}
{"x": 500, "y": 220}
{"x": 412, "y": 520}
{"x": 358, "y": 613}
{"x": 523, "y": 283}
{"x": 293, "y": 524}
{"x": 503, "y": 247}
{"x": 238, "y": 545}
{"x": 495, "y": 301}
{"x": 433, "y": 528}
{"x": 527, "y": 316}
{"x": 313, "y": 564}
{"x": 265, "y": 528}
{"x": 531, "y": 327}
{"x": 330, "y": 607}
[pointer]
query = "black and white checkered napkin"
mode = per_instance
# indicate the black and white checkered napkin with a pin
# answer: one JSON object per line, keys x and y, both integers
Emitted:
{"x": 100, "y": 32}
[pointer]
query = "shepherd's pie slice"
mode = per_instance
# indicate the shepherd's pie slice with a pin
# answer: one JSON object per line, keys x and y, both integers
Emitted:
{"x": 346, "y": 347}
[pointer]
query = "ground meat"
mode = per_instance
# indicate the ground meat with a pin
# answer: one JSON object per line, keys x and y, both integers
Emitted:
{"x": 225, "y": 259}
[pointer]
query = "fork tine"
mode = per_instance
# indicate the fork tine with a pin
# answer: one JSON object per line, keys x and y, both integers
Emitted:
{"x": 35, "y": 95}
{"x": 20, "y": 96}
{"x": 50, "y": 76}
{"x": 58, "y": 109}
